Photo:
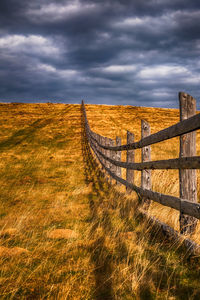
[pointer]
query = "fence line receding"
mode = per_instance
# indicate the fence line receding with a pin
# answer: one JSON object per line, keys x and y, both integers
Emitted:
{"x": 109, "y": 156}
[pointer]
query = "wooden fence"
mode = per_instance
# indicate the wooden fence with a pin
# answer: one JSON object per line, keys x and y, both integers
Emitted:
{"x": 109, "y": 156}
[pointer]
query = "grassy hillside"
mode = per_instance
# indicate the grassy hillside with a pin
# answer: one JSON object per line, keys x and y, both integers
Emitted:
{"x": 65, "y": 232}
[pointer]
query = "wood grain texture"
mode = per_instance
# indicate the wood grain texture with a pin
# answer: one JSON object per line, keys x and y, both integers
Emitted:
{"x": 187, "y": 178}
{"x": 146, "y": 156}
{"x": 113, "y": 167}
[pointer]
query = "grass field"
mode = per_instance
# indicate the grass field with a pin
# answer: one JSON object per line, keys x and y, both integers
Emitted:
{"x": 65, "y": 232}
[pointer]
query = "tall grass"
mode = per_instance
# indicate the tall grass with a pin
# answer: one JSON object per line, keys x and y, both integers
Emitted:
{"x": 65, "y": 231}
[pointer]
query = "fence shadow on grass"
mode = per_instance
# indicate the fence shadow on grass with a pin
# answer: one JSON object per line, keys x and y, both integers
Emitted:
{"x": 101, "y": 203}
{"x": 99, "y": 254}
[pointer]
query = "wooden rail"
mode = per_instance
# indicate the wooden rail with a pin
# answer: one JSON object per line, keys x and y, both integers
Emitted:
{"x": 176, "y": 163}
{"x": 107, "y": 154}
{"x": 178, "y": 129}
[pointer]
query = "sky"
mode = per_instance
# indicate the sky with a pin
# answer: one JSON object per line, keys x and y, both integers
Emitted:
{"x": 116, "y": 52}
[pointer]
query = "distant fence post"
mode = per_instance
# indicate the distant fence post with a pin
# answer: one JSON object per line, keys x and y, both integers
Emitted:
{"x": 118, "y": 156}
{"x": 146, "y": 156}
{"x": 187, "y": 178}
{"x": 130, "y": 158}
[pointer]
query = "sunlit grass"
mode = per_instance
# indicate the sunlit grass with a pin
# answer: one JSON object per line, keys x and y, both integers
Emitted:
{"x": 65, "y": 232}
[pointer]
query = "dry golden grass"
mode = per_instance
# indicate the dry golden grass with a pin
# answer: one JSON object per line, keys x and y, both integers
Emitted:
{"x": 65, "y": 232}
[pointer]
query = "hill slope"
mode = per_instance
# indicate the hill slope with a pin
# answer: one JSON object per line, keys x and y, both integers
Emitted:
{"x": 65, "y": 233}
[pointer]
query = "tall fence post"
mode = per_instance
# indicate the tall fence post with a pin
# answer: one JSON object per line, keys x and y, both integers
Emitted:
{"x": 130, "y": 158}
{"x": 112, "y": 156}
{"x": 187, "y": 178}
{"x": 118, "y": 156}
{"x": 108, "y": 154}
{"x": 146, "y": 156}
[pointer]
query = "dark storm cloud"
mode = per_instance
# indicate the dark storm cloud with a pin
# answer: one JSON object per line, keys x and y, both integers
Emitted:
{"x": 115, "y": 52}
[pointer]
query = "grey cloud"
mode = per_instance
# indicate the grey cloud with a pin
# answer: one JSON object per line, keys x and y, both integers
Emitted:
{"x": 100, "y": 51}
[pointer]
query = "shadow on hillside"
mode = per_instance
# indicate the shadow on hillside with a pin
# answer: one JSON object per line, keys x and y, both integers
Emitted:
{"x": 25, "y": 134}
{"x": 99, "y": 253}
{"x": 101, "y": 203}
{"x": 167, "y": 277}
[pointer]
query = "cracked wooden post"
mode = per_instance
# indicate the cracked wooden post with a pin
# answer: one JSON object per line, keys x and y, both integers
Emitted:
{"x": 130, "y": 158}
{"x": 146, "y": 156}
{"x": 118, "y": 158}
{"x": 187, "y": 178}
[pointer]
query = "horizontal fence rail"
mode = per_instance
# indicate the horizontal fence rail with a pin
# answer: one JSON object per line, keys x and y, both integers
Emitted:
{"x": 106, "y": 153}
{"x": 177, "y": 163}
{"x": 178, "y": 129}
{"x": 189, "y": 208}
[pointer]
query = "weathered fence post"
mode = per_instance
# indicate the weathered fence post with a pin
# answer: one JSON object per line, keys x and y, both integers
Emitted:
{"x": 118, "y": 156}
{"x": 187, "y": 178}
{"x": 146, "y": 156}
{"x": 112, "y": 156}
{"x": 130, "y": 158}
{"x": 107, "y": 163}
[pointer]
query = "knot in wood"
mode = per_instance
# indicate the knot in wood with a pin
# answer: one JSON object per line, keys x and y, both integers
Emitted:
{"x": 184, "y": 95}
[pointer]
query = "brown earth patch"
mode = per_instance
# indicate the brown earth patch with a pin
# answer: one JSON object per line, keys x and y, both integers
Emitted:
{"x": 8, "y": 232}
{"x": 129, "y": 235}
{"x": 62, "y": 234}
{"x": 9, "y": 252}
